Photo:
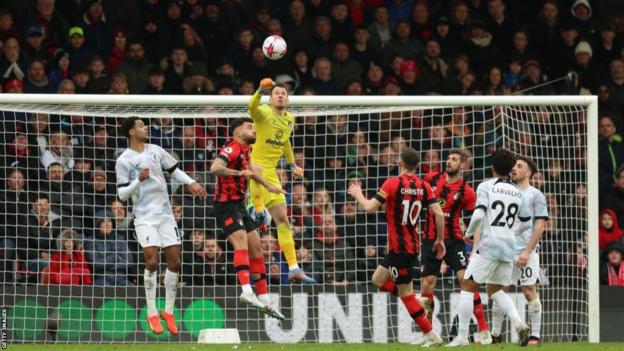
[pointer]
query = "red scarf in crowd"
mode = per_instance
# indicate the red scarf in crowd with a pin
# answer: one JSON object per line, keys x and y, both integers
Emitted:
{"x": 616, "y": 278}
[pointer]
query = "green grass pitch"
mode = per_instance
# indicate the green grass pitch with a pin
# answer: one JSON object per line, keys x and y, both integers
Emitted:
{"x": 308, "y": 347}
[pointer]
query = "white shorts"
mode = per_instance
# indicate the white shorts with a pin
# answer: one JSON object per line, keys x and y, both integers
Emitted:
{"x": 529, "y": 274}
{"x": 159, "y": 231}
{"x": 486, "y": 271}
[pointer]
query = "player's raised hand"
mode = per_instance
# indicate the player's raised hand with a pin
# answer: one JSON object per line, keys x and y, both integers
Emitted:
{"x": 144, "y": 174}
{"x": 246, "y": 173}
{"x": 354, "y": 190}
{"x": 197, "y": 190}
{"x": 439, "y": 249}
{"x": 266, "y": 83}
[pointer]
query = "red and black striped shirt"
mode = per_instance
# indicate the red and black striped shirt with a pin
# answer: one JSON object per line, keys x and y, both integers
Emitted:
{"x": 232, "y": 188}
{"x": 453, "y": 199}
{"x": 404, "y": 196}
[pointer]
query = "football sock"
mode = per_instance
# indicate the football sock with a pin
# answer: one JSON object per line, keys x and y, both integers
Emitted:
{"x": 258, "y": 268}
{"x": 497, "y": 319}
{"x": 465, "y": 313}
{"x": 241, "y": 266}
{"x": 506, "y": 305}
{"x": 150, "y": 280}
{"x": 430, "y": 297}
{"x": 416, "y": 312}
{"x": 479, "y": 313}
{"x": 389, "y": 286}
{"x": 171, "y": 286}
{"x": 287, "y": 244}
{"x": 535, "y": 316}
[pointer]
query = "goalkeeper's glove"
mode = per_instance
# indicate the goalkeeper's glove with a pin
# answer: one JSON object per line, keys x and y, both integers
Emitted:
{"x": 260, "y": 218}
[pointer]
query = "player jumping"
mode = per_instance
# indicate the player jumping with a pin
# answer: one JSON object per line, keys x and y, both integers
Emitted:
{"x": 499, "y": 204}
{"x": 454, "y": 195}
{"x": 405, "y": 196}
{"x": 274, "y": 126}
{"x": 231, "y": 169}
{"x": 527, "y": 267}
{"x": 140, "y": 178}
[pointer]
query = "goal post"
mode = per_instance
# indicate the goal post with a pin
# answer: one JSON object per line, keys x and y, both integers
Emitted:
{"x": 558, "y": 131}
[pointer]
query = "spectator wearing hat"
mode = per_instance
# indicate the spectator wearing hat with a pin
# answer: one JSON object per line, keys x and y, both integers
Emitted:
{"x": 34, "y": 46}
{"x": 118, "y": 50}
{"x": 80, "y": 76}
{"x": 136, "y": 67}
{"x": 291, "y": 84}
{"x": 68, "y": 264}
{"x": 609, "y": 229}
{"x": 36, "y": 81}
{"x": 410, "y": 82}
{"x": 481, "y": 49}
{"x": 449, "y": 42}
{"x": 14, "y": 86}
{"x": 588, "y": 72}
{"x": 98, "y": 32}
{"x": 60, "y": 70}
{"x": 108, "y": 253}
{"x": 401, "y": 44}
{"x": 79, "y": 53}
{"x": 607, "y": 47}
{"x": 53, "y": 23}
{"x": 374, "y": 79}
{"x": 13, "y": 64}
{"x": 612, "y": 265}
{"x": 344, "y": 69}
{"x": 582, "y": 18}
{"x": 533, "y": 78}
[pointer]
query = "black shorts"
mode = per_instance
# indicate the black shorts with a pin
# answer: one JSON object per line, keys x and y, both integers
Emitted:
{"x": 232, "y": 216}
{"x": 401, "y": 266}
{"x": 455, "y": 257}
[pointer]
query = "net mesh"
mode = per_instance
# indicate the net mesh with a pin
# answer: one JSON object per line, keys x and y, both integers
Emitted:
{"x": 58, "y": 177}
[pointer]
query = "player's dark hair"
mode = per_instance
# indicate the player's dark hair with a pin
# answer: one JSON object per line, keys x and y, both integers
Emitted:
{"x": 464, "y": 155}
{"x": 503, "y": 161}
{"x": 410, "y": 158}
{"x": 278, "y": 85}
{"x": 238, "y": 122}
{"x": 127, "y": 126}
{"x": 530, "y": 163}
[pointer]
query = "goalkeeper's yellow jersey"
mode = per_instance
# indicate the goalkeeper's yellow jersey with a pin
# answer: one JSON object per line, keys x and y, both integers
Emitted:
{"x": 272, "y": 134}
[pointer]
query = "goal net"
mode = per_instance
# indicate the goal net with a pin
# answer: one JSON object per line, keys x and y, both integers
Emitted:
{"x": 72, "y": 267}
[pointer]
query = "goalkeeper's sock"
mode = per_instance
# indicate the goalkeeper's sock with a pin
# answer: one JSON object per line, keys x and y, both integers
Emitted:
{"x": 498, "y": 316}
{"x": 417, "y": 312}
{"x": 241, "y": 266}
{"x": 465, "y": 313}
{"x": 535, "y": 316}
{"x": 287, "y": 244}
{"x": 171, "y": 286}
{"x": 150, "y": 280}
{"x": 479, "y": 313}
{"x": 507, "y": 306}
{"x": 258, "y": 268}
{"x": 389, "y": 286}
{"x": 430, "y": 297}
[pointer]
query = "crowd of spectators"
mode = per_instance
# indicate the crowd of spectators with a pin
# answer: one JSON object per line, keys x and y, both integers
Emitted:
{"x": 58, "y": 200}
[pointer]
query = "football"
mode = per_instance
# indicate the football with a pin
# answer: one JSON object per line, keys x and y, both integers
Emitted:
{"x": 274, "y": 47}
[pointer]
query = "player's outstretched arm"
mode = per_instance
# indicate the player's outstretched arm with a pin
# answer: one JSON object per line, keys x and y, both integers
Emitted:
{"x": 254, "y": 103}
{"x": 369, "y": 205}
{"x": 220, "y": 168}
{"x": 438, "y": 215}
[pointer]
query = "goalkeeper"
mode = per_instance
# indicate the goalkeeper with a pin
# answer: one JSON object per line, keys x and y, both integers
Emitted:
{"x": 273, "y": 126}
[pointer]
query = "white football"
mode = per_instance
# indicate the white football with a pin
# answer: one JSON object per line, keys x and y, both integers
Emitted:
{"x": 274, "y": 47}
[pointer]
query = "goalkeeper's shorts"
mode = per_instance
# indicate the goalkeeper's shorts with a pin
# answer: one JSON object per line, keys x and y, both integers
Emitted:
{"x": 260, "y": 195}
